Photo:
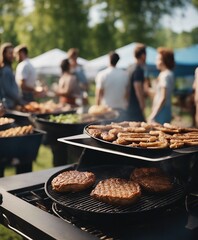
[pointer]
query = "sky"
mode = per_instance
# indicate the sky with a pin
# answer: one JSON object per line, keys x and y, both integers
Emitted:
{"x": 181, "y": 20}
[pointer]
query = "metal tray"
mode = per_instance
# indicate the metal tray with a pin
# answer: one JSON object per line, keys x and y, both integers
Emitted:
{"x": 147, "y": 152}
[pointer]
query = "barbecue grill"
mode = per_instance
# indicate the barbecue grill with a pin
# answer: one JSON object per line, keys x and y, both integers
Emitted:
{"x": 40, "y": 213}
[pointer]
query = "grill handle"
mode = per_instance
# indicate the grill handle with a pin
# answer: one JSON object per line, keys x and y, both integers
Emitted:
{"x": 7, "y": 223}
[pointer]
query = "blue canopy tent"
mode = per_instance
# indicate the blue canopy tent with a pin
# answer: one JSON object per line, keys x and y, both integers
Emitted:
{"x": 186, "y": 60}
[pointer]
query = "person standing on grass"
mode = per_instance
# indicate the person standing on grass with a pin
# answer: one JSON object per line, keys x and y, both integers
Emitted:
{"x": 9, "y": 92}
{"x": 135, "y": 111}
{"x": 77, "y": 70}
{"x": 161, "y": 108}
{"x": 111, "y": 86}
{"x": 9, "y": 95}
{"x": 26, "y": 75}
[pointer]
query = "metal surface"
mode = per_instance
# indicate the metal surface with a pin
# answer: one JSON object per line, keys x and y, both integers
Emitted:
{"x": 28, "y": 218}
{"x": 83, "y": 140}
{"x": 147, "y": 152}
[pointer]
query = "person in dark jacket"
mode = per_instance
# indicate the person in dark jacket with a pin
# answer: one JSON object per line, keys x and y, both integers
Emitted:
{"x": 135, "y": 111}
{"x": 10, "y": 97}
{"x": 9, "y": 92}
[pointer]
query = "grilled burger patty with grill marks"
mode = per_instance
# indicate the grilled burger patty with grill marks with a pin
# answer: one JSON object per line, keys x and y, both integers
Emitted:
{"x": 73, "y": 181}
{"x": 152, "y": 179}
{"x": 117, "y": 191}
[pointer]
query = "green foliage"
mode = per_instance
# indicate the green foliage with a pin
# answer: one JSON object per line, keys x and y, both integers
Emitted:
{"x": 10, "y": 10}
{"x": 65, "y": 23}
{"x": 195, "y": 2}
{"x": 54, "y": 24}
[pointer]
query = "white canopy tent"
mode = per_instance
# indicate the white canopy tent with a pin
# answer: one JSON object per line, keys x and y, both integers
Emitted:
{"x": 126, "y": 58}
{"x": 49, "y": 62}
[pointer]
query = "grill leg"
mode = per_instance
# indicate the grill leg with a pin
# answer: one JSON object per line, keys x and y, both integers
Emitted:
{"x": 24, "y": 166}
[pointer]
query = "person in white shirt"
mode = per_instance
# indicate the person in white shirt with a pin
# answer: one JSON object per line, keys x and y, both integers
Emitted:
{"x": 111, "y": 85}
{"x": 161, "y": 111}
{"x": 25, "y": 74}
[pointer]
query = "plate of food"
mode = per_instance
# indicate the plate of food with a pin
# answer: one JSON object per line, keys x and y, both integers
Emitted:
{"x": 41, "y": 108}
{"x": 6, "y": 122}
{"x": 143, "y": 139}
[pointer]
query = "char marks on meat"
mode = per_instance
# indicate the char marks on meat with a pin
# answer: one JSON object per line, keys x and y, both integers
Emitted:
{"x": 152, "y": 179}
{"x": 73, "y": 181}
{"x": 117, "y": 191}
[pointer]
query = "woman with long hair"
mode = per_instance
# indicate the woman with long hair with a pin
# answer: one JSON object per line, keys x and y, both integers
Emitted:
{"x": 161, "y": 107}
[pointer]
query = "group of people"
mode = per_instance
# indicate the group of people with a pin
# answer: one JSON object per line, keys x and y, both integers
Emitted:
{"x": 116, "y": 88}
{"x": 19, "y": 88}
{"x": 126, "y": 90}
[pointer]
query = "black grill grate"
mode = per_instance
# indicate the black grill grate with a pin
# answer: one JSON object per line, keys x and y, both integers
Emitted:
{"x": 82, "y": 201}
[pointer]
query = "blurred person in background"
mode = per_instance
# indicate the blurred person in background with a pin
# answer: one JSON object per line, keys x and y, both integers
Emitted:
{"x": 111, "y": 86}
{"x": 135, "y": 111}
{"x": 9, "y": 92}
{"x": 161, "y": 108}
{"x": 26, "y": 75}
{"x": 195, "y": 87}
{"x": 75, "y": 68}
{"x": 68, "y": 89}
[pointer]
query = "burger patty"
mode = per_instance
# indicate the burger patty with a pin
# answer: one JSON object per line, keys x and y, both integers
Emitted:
{"x": 155, "y": 184}
{"x": 73, "y": 181}
{"x": 152, "y": 179}
{"x": 138, "y": 173}
{"x": 117, "y": 191}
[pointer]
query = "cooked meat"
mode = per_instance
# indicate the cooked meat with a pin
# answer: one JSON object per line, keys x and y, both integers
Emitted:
{"x": 117, "y": 191}
{"x": 152, "y": 179}
{"x": 155, "y": 184}
{"x": 73, "y": 181}
{"x": 143, "y": 172}
{"x": 95, "y": 132}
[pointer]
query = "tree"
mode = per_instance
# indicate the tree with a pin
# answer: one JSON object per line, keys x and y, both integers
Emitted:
{"x": 61, "y": 24}
{"x": 65, "y": 23}
{"x": 195, "y": 3}
{"x": 139, "y": 19}
{"x": 10, "y": 10}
